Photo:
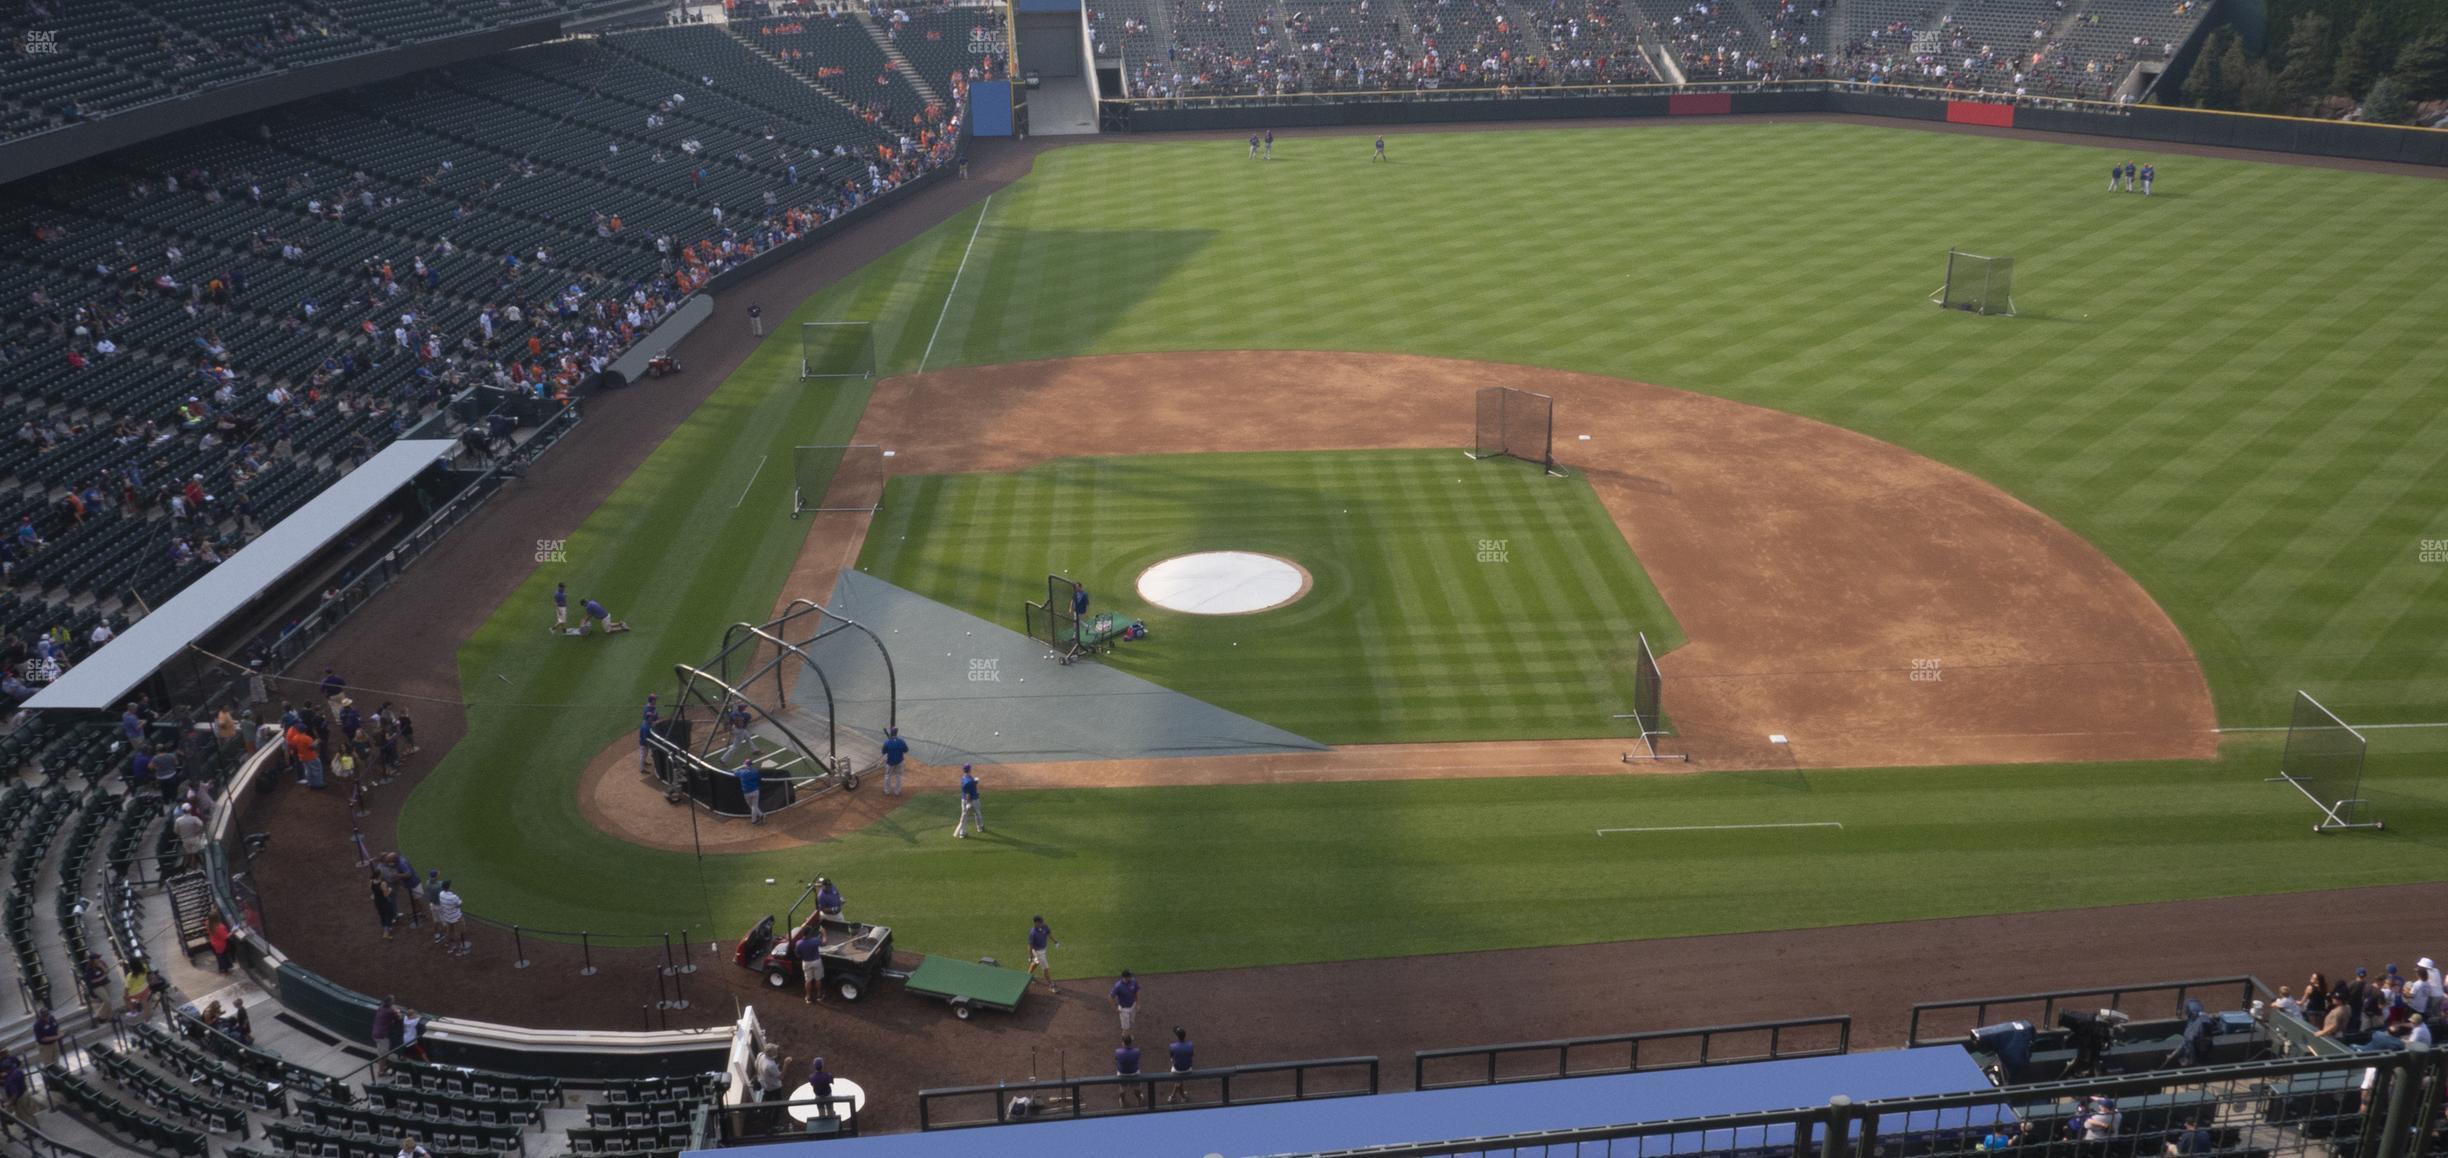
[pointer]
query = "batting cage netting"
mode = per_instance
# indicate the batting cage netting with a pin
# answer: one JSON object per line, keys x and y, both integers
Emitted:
{"x": 837, "y": 350}
{"x": 1648, "y": 703}
{"x": 1981, "y": 285}
{"x": 837, "y": 478}
{"x": 2324, "y": 760}
{"x": 1516, "y": 424}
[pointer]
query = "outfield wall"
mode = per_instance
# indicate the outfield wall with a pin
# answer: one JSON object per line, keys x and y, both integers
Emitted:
{"x": 2346, "y": 139}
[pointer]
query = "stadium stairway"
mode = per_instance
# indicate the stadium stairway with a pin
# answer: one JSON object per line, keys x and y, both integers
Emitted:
{"x": 892, "y": 52}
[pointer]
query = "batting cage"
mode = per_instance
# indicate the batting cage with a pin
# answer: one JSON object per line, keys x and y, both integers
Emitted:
{"x": 837, "y": 350}
{"x": 1981, "y": 285}
{"x": 1516, "y": 424}
{"x": 805, "y": 697}
{"x": 847, "y": 477}
{"x": 1648, "y": 704}
{"x": 2324, "y": 760}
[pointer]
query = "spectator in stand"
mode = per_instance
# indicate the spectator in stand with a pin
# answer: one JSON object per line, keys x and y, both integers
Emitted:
{"x": 452, "y": 913}
{"x": 46, "y": 1035}
{"x": 190, "y": 829}
{"x": 386, "y": 911}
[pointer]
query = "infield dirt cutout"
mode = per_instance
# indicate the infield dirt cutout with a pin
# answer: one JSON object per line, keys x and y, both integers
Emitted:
{"x": 1872, "y": 605}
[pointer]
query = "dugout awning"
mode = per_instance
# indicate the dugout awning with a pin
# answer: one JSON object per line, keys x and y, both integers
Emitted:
{"x": 106, "y": 677}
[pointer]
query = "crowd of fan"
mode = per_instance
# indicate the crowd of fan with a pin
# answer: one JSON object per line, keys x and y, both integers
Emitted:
{"x": 1219, "y": 48}
{"x": 2392, "y": 1011}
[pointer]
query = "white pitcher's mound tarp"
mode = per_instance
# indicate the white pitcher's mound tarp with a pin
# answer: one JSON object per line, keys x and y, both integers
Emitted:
{"x": 1223, "y": 583}
{"x": 974, "y": 691}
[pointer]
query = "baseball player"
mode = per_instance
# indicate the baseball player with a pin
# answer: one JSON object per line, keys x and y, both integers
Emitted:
{"x": 1040, "y": 938}
{"x": 1380, "y": 148}
{"x": 560, "y": 607}
{"x": 752, "y": 787}
{"x": 2116, "y": 177}
{"x": 646, "y": 727}
{"x": 2148, "y": 172}
{"x": 1253, "y": 146}
{"x": 896, "y": 750}
{"x": 597, "y": 617}
{"x": 968, "y": 805}
{"x": 1270, "y": 146}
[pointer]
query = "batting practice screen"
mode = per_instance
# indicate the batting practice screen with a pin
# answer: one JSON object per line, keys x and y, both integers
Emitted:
{"x": 1981, "y": 285}
{"x": 2324, "y": 758}
{"x": 837, "y": 349}
{"x": 1648, "y": 691}
{"x": 1515, "y": 424}
{"x": 837, "y": 478}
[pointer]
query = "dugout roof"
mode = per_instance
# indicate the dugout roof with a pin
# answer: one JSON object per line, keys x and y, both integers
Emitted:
{"x": 106, "y": 677}
{"x": 1433, "y": 1115}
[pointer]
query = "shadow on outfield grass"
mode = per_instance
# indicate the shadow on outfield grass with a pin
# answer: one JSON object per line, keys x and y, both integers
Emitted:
{"x": 1083, "y": 282}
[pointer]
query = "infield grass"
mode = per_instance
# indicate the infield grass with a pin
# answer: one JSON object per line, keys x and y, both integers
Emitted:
{"x": 1451, "y": 600}
{"x": 2236, "y": 389}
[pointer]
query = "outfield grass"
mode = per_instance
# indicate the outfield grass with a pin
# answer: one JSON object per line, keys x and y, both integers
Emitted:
{"x": 2234, "y": 388}
{"x": 1448, "y": 603}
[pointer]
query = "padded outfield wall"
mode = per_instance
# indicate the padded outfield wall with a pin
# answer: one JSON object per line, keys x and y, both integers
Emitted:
{"x": 2347, "y": 139}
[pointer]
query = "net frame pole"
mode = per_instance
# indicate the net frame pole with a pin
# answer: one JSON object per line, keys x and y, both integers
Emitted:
{"x": 1515, "y": 412}
{"x": 866, "y": 369}
{"x": 2337, "y": 815}
{"x": 802, "y": 502}
{"x": 1648, "y": 705}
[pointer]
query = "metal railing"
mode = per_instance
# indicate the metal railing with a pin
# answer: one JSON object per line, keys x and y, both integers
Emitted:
{"x": 1991, "y": 1010}
{"x": 1066, "y": 1099}
{"x": 754, "y": 1123}
{"x": 1669, "y": 1049}
{"x": 25, "y": 1139}
{"x": 2374, "y": 1105}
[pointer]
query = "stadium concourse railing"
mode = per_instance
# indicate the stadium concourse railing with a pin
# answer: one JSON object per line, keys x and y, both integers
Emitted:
{"x": 1970, "y": 106}
{"x": 1065, "y": 1099}
{"x": 2369, "y": 1105}
{"x": 1670, "y": 1049}
{"x": 577, "y": 1055}
{"x": 1939, "y": 1023}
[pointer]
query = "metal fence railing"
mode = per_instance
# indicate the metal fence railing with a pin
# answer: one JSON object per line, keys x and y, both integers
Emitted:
{"x": 2374, "y": 1105}
{"x": 1944, "y": 1022}
{"x": 1109, "y": 1095}
{"x": 1623, "y": 1053}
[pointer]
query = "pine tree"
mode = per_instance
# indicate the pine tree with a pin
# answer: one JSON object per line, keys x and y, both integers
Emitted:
{"x": 2205, "y": 86}
{"x": 2359, "y": 58}
{"x": 2308, "y": 64}
{"x": 2422, "y": 68}
{"x": 2387, "y": 104}
{"x": 2234, "y": 69}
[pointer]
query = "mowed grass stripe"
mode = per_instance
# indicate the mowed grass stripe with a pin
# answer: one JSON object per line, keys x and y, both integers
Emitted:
{"x": 1411, "y": 633}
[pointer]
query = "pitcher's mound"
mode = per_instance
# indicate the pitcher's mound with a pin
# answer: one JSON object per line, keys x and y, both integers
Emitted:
{"x": 1223, "y": 583}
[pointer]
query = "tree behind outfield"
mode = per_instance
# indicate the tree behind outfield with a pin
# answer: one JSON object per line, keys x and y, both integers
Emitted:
{"x": 2387, "y": 104}
{"x": 2361, "y": 56}
{"x": 2309, "y": 62}
{"x": 2422, "y": 68}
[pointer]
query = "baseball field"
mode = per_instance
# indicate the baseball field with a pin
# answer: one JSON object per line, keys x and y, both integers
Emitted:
{"x": 2220, "y": 407}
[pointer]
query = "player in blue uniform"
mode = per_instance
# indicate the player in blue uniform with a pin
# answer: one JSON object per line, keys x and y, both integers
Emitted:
{"x": 2116, "y": 177}
{"x": 1270, "y": 146}
{"x": 1380, "y": 148}
{"x": 2148, "y": 172}
{"x": 752, "y": 789}
{"x": 560, "y": 606}
{"x": 896, "y": 750}
{"x": 597, "y": 617}
{"x": 1253, "y": 146}
{"x": 2133, "y": 183}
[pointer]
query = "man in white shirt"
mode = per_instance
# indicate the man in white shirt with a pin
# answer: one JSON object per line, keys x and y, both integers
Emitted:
{"x": 452, "y": 912}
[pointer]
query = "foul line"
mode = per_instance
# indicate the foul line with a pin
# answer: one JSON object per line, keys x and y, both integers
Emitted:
{"x": 752, "y": 477}
{"x": 1727, "y": 827}
{"x": 957, "y": 271}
